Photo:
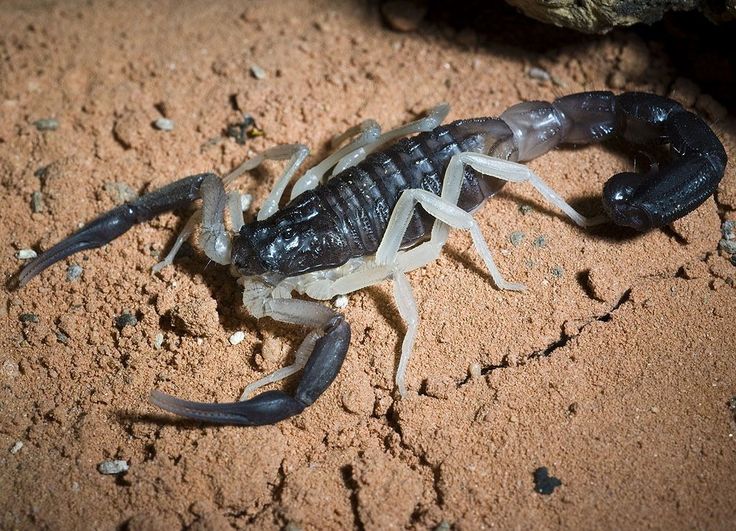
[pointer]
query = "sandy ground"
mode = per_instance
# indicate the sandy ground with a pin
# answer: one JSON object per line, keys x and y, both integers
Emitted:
{"x": 614, "y": 370}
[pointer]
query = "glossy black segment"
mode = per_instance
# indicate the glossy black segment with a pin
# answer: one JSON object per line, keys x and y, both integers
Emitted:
{"x": 677, "y": 184}
{"x": 325, "y": 361}
{"x": 94, "y": 234}
{"x": 590, "y": 116}
{"x": 266, "y": 408}
{"x": 641, "y": 118}
{"x": 115, "y": 223}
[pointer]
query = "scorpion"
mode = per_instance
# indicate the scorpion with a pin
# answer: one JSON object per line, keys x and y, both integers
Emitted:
{"x": 354, "y": 219}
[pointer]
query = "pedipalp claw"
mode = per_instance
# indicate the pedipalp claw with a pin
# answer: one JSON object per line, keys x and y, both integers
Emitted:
{"x": 94, "y": 234}
{"x": 267, "y": 408}
{"x": 271, "y": 407}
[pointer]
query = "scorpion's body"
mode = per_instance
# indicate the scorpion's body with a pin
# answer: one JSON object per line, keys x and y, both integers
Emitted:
{"x": 363, "y": 225}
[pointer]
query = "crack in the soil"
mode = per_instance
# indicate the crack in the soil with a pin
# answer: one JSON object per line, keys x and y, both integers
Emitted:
{"x": 557, "y": 344}
{"x": 351, "y": 484}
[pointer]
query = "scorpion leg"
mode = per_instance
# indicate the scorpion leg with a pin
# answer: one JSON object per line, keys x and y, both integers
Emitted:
{"x": 236, "y": 214}
{"x": 368, "y": 131}
{"x": 116, "y": 222}
{"x": 297, "y": 153}
{"x": 329, "y": 339}
{"x": 434, "y": 117}
{"x": 369, "y": 140}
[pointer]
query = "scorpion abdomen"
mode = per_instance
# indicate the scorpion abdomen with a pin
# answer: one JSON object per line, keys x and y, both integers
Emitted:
{"x": 362, "y": 197}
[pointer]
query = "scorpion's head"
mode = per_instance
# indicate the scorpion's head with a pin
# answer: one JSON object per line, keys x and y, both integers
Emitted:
{"x": 298, "y": 239}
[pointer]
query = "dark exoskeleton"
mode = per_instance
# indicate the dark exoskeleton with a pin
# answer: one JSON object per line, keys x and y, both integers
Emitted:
{"x": 364, "y": 224}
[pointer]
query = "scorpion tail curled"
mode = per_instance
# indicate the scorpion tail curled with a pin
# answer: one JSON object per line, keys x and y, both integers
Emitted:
{"x": 273, "y": 406}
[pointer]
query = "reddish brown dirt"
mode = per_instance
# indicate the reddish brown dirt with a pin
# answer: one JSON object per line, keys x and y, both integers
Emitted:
{"x": 614, "y": 369}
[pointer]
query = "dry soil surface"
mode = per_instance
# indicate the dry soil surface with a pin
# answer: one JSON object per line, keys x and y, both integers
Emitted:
{"x": 615, "y": 369}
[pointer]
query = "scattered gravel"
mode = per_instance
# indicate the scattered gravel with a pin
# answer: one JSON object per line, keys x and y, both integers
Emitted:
{"x": 540, "y": 74}
{"x": 237, "y": 337}
{"x": 37, "y": 202}
{"x": 158, "y": 341}
{"x": 28, "y": 318}
{"x": 341, "y": 301}
{"x": 516, "y": 238}
{"x": 164, "y": 124}
{"x": 73, "y": 272}
{"x": 125, "y": 319}
{"x": 113, "y": 466}
{"x": 258, "y": 72}
{"x": 26, "y": 254}
{"x": 47, "y": 124}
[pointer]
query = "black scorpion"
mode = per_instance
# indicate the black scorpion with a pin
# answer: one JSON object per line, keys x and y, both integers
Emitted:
{"x": 363, "y": 225}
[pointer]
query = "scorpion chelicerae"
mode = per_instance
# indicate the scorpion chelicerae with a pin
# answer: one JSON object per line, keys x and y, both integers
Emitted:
{"x": 363, "y": 225}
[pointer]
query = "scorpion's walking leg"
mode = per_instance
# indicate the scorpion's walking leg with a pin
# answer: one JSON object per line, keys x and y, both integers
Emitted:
{"x": 434, "y": 117}
{"x": 369, "y": 140}
{"x": 296, "y": 152}
{"x": 329, "y": 339}
{"x": 368, "y": 132}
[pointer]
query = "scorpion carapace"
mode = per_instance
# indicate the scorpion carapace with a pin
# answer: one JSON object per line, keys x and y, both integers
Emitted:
{"x": 363, "y": 225}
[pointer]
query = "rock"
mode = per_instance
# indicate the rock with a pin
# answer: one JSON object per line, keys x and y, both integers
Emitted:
{"x": 603, "y": 15}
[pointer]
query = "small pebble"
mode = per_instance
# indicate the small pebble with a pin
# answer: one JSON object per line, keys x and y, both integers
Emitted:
{"x": 543, "y": 482}
{"x": 158, "y": 341}
{"x": 538, "y": 73}
{"x": 540, "y": 241}
{"x": 36, "y": 202}
{"x": 728, "y": 229}
{"x": 516, "y": 238}
{"x": 10, "y": 369}
{"x": 61, "y": 337}
{"x": 341, "y": 301}
{"x": 557, "y": 271}
{"x": 26, "y": 254}
{"x": 444, "y": 525}
{"x": 475, "y": 370}
{"x": 125, "y": 319}
{"x": 258, "y": 72}
{"x": 733, "y": 260}
{"x": 113, "y": 466}
{"x": 47, "y": 124}
{"x": 237, "y": 337}
{"x": 74, "y": 272}
{"x": 727, "y": 245}
{"x": 525, "y": 209}
{"x": 164, "y": 124}
{"x": 28, "y": 318}
{"x": 245, "y": 201}
{"x": 16, "y": 447}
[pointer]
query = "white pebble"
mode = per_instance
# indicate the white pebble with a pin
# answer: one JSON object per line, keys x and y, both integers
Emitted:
{"x": 245, "y": 201}
{"x": 539, "y": 74}
{"x": 26, "y": 254}
{"x": 113, "y": 466}
{"x": 164, "y": 124}
{"x": 341, "y": 301}
{"x": 16, "y": 447}
{"x": 258, "y": 72}
{"x": 158, "y": 341}
{"x": 237, "y": 337}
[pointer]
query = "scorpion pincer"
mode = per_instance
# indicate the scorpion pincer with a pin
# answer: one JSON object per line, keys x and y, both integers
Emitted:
{"x": 363, "y": 225}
